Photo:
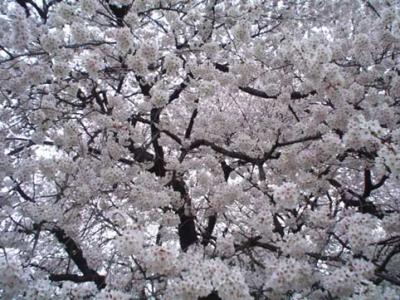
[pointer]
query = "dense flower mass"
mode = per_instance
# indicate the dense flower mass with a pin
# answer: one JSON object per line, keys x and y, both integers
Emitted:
{"x": 200, "y": 149}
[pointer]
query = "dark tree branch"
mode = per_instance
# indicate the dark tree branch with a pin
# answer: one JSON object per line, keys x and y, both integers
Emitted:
{"x": 299, "y": 140}
{"x": 76, "y": 255}
{"x": 255, "y": 92}
{"x": 167, "y": 132}
{"x": 232, "y": 154}
{"x": 41, "y": 12}
{"x": 191, "y": 123}
{"x": 178, "y": 90}
{"x": 72, "y": 277}
{"x": 278, "y": 226}
{"x": 21, "y": 192}
{"x": 226, "y": 169}
{"x": 211, "y": 221}
{"x": 293, "y": 113}
{"x": 119, "y": 11}
{"x": 391, "y": 279}
{"x": 243, "y": 156}
{"x": 186, "y": 228}
{"x": 212, "y": 296}
{"x": 370, "y": 6}
{"x": 159, "y": 164}
{"x": 255, "y": 242}
{"x": 365, "y": 206}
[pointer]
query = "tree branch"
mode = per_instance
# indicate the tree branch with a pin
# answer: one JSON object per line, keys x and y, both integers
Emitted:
{"x": 76, "y": 255}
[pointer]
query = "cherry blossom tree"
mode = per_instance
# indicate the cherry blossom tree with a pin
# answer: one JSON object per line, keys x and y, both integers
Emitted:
{"x": 200, "y": 149}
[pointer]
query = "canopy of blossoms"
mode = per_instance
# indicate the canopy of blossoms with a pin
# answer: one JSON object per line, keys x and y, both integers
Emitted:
{"x": 199, "y": 149}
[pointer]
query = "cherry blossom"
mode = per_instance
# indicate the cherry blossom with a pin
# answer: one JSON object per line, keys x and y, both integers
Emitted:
{"x": 199, "y": 149}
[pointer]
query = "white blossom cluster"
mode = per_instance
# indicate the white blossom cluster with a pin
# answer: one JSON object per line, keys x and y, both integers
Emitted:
{"x": 286, "y": 195}
{"x": 89, "y": 6}
{"x": 207, "y": 277}
{"x": 131, "y": 242}
{"x": 52, "y": 41}
{"x": 199, "y": 149}
{"x": 124, "y": 40}
{"x": 359, "y": 230}
{"x": 362, "y": 133}
{"x": 391, "y": 159}
{"x": 172, "y": 64}
{"x": 159, "y": 96}
{"x": 288, "y": 274}
{"x": 341, "y": 282}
